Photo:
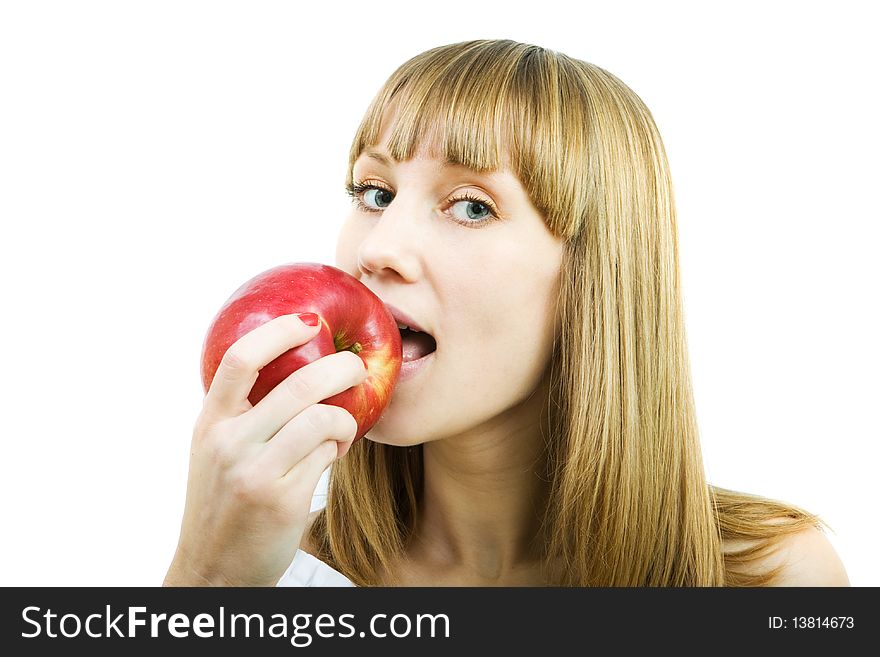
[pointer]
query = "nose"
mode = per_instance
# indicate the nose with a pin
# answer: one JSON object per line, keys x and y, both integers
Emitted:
{"x": 392, "y": 245}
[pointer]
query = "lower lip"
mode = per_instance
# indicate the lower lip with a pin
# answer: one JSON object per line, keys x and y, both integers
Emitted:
{"x": 409, "y": 369}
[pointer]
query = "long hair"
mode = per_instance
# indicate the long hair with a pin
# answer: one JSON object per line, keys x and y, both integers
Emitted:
{"x": 629, "y": 502}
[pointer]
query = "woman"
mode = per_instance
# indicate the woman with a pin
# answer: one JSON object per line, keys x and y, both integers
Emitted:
{"x": 515, "y": 206}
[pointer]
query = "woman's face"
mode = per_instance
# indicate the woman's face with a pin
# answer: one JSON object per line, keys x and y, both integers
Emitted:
{"x": 484, "y": 288}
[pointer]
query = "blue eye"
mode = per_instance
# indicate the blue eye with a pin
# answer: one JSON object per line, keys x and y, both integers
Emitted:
{"x": 358, "y": 192}
{"x": 474, "y": 209}
{"x": 381, "y": 196}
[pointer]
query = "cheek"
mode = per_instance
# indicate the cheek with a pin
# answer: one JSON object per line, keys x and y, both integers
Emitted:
{"x": 514, "y": 313}
{"x": 517, "y": 294}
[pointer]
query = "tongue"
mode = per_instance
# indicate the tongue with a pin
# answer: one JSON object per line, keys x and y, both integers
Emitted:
{"x": 416, "y": 345}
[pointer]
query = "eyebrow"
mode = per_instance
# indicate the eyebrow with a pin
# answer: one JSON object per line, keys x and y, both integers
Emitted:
{"x": 376, "y": 155}
{"x": 389, "y": 161}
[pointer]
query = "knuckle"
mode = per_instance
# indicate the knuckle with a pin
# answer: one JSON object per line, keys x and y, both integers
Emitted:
{"x": 210, "y": 423}
{"x": 319, "y": 418}
{"x": 299, "y": 386}
{"x": 234, "y": 363}
{"x": 224, "y": 454}
{"x": 247, "y": 486}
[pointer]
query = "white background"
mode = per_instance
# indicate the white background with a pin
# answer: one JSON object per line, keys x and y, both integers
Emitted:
{"x": 155, "y": 155}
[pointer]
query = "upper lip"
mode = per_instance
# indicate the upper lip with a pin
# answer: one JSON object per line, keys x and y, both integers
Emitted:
{"x": 403, "y": 318}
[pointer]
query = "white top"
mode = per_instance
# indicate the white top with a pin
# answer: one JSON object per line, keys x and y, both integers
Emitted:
{"x": 307, "y": 569}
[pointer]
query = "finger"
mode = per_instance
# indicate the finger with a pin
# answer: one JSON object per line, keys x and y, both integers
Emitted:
{"x": 300, "y": 436}
{"x": 310, "y": 384}
{"x": 302, "y": 480}
{"x": 240, "y": 365}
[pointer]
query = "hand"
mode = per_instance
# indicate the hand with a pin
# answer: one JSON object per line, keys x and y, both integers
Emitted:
{"x": 253, "y": 469}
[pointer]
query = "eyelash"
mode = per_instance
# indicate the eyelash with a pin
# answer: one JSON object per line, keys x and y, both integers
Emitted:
{"x": 356, "y": 189}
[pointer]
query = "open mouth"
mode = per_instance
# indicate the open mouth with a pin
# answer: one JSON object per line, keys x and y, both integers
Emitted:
{"x": 416, "y": 344}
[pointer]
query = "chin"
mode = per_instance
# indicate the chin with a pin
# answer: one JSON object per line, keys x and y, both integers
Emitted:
{"x": 397, "y": 434}
{"x": 398, "y": 440}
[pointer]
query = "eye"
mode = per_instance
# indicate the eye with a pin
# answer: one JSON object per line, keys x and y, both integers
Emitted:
{"x": 381, "y": 197}
{"x": 365, "y": 195}
{"x": 474, "y": 210}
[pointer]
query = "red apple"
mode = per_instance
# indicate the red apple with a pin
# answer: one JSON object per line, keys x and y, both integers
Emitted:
{"x": 352, "y": 318}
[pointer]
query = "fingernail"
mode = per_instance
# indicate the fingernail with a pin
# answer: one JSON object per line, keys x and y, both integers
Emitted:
{"x": 309, "y": 319}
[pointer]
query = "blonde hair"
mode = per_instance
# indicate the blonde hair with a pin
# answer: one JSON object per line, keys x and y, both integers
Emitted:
{"x": 629, "y": 502}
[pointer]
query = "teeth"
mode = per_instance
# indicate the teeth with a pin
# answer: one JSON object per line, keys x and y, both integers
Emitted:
{"x": 404, "y": 326}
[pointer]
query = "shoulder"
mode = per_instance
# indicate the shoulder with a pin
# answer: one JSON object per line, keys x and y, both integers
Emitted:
{"x": 807, "y": 558}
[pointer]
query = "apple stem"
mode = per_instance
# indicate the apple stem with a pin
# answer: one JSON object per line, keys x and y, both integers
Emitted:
{"x": 356, "y": 348}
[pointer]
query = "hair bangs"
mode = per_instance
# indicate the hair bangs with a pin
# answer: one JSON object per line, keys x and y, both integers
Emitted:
{"x": 458, "y": 111}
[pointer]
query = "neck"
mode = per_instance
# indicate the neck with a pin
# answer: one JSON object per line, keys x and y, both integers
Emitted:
{"x": 484, "y": 496}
